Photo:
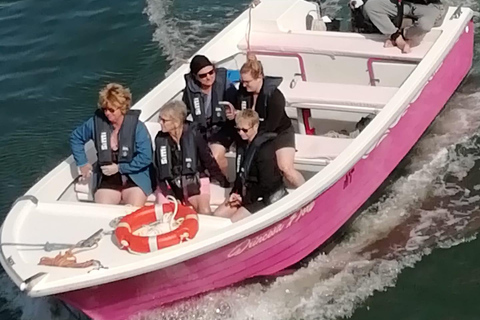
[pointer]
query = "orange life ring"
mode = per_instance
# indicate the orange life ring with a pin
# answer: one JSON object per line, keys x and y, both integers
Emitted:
{"x": 149, "y": 214}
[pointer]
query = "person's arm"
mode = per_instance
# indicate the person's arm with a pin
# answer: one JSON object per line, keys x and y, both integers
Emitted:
{"x": 79, "y": 137}
{"x": 143, "y": 152}
{"x": 208, "y": 161}
{"x": 266, "y": 163}
{"x": 275, "y": 111}
{"x": 185, "y": 100}
{"x": 230, "y": 93}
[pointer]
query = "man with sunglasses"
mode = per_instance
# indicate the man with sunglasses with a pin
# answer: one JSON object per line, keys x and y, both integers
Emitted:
{"x": 259, "y": 181}
{"x": 209, "y": 97}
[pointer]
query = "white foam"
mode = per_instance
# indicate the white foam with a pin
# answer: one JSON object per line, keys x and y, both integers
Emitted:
{"x": 333, "y": 284}
{"x": 428, "y": 207}
{"x": 180, "y": 34}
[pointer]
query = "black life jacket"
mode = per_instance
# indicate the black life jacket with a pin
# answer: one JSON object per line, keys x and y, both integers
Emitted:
{"x": 245, "y": 98}
{"x": 126, "y": 137}
{"x": 360, "y": 23}
{"x": 196, "y": 98}
{"x": 244, "y": 159}
{"x": 426, "y": 2}
{"x": 163, "y": 154}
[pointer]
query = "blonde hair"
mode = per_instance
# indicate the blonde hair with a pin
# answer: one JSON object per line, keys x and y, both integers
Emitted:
{"x": 175, "y": 109}
{"x": 253, "y": 66}
{"x": 249, "y": 115}
{"x": 116, "y": 96}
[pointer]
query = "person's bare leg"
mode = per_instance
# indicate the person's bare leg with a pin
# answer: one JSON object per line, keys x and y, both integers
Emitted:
{"x": 285, "y": 159}
{"x": 240, "y": 214}
{"x": 134, "y": 196}
{"x": 225, "y": 210}
{"x": 108, "y": 196}
{"x": 201, "y": 203}
{"x": 388, "y": 44}
{"x": 403, "y": 44}
{"x": 218, "y": 152}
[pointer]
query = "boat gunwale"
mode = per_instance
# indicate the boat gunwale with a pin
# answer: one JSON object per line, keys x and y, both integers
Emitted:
{"x": 314, "y": 187}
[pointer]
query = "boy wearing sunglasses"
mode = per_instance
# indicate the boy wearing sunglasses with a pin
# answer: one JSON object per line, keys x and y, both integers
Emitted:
{"x": 209, "y": 97}
{"x": 259, "y": 181}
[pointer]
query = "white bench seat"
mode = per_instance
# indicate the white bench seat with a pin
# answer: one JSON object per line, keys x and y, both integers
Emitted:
{"x": 340, "y": 44}
{"x": 334, "y": 96}
{"x": 315, "y": 150}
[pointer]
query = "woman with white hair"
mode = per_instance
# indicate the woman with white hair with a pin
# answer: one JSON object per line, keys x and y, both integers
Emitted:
{"x": 182, "y": 157}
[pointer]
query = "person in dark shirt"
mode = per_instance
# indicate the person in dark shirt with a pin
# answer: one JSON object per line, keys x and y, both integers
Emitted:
{"x": 181, "y": 159}
{"x": 261, "y": 93}
{"x": 209, "y": 95}
{"x": 259, "y": 181}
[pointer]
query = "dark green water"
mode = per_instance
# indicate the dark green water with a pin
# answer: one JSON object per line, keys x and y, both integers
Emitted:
{"x": 54, "y": 57}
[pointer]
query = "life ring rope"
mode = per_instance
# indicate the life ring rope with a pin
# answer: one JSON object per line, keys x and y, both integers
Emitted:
{"x": 182, "y": 222}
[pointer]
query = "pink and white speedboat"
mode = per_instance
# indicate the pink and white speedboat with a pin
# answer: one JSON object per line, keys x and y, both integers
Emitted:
{"x": 330, "y": 80}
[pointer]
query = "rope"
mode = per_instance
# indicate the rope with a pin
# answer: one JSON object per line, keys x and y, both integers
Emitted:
{"x": 175, "y": 210}
{"x": 68, "y": 259}
{"x": 251, "y": 6}
{"x": 249, "y": 28}
{"x": 173, "y": 224}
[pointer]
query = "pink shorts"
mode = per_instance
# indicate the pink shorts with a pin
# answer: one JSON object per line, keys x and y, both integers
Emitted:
{"x": 204, "y": 190}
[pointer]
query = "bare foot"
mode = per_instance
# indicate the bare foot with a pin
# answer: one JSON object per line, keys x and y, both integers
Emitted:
{"x": 407, "y": 48}
{"x": 403, "y": 44}
{"x": 388, "y": 44}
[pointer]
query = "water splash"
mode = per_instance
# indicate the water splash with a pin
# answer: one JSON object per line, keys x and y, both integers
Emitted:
{"x": 182, "y": 31}
{"x": 432, "y": 205}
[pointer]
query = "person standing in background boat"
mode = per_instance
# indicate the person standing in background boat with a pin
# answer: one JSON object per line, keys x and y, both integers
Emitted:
{"x": 124, "y": 149}
{"x": 209, "y": 97}
{"x": 261, "y": 94}
{"x": 181, "y": 158}
{"x": 386, "y": 16}
{"x": 259, "y": 181}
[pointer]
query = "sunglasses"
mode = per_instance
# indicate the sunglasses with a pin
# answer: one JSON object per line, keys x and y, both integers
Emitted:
{"x": 204, "y": 75}
{"x": 111, "y": 110}
{"x": 164, "y": 120}
{"x": 243, "y": 129}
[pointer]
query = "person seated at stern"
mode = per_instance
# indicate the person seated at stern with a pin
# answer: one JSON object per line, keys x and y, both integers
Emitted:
{"x": 124, "y": 149}
{"x": 259, "y": 181}
{"x": 181, "y": 158}
{"x": 209, "y": 97}
{"x": 386, "y": 17}
{"x": 261, "y": 94}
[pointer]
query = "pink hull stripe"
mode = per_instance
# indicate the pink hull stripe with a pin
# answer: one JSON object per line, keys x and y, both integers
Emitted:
{"x": 285, "y": 242}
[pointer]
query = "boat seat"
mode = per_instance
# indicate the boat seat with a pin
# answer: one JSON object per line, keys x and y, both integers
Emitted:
{"x": 83, "y": 189}
{"x": 315, "y": 150}
{"x": 340, "y": 44}
{"x": 335, "y": 96}
{"x": 318, "y": 150}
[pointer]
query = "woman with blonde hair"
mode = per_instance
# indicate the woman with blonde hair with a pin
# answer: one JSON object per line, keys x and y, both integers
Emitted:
{"x": 124, "y": 149}
{"x": 261, "y": 93}
{"x": 181, "y": 159}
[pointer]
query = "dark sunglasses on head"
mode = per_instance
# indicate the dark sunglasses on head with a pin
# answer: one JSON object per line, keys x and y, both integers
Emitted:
{"x": 204, "y": 75}
{"x": 243, "y": 129}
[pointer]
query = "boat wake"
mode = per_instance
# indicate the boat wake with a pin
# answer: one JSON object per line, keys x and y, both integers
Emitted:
{"x": 434, "y": 204}
{"x": 181, "y": 30}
